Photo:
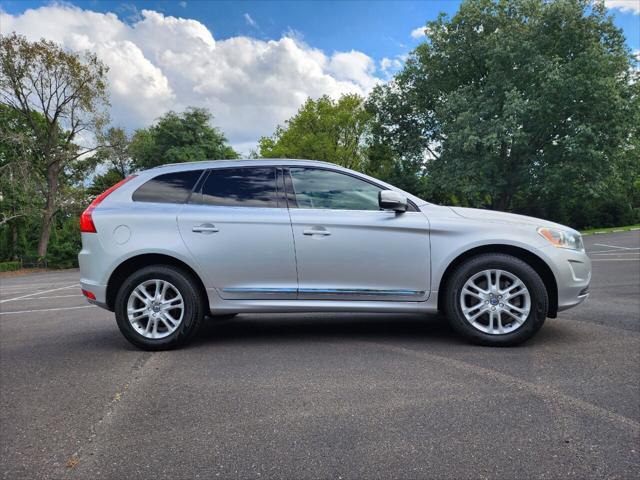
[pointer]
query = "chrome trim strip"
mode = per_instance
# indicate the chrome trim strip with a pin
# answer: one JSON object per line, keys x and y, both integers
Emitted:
{"x": 328, "y": 291}
{"x": 364, "y": 291}
{"x": 260, "y": 290}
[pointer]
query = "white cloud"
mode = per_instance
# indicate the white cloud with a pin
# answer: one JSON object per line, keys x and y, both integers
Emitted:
{"x": 418, "y": 32}
{"x": 183, "y": 4}
{"x": 390, "y": 65}
{"x": 250, "y": 21}
{"x": 354, "y": 67}
{"x": 161, "y": 62}
{"x": 626, "y": 6}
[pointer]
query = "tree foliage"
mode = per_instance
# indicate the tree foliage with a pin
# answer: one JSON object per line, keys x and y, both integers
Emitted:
{"x": 59, "y": 95}
{"x": 515, "y": 105}
{"x": 177, "y": 138}
{"x": 323, "y": 129}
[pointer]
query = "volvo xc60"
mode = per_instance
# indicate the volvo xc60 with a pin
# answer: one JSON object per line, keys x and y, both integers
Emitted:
{"x": 169, "y": 245}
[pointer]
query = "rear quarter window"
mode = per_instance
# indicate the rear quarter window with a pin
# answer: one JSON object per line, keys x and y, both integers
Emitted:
{"x": 173, "y": 187}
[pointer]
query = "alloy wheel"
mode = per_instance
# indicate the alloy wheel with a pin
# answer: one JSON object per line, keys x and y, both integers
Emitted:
{"x": 155, "y": 308}
{"x": 495, "y": 301}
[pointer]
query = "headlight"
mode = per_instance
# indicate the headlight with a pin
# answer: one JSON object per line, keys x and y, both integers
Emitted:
{"x": 561, "y": 238}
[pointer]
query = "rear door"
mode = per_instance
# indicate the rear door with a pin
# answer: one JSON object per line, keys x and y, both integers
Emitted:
{"x": 237, "y": 227}
{"x": 349, "y": 249}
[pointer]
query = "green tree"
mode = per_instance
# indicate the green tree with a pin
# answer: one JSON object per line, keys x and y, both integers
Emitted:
{"x": 59, "y": 95}
{"x": 115, "y": 156}
{"x": 519, "y": 104}
{"x": 323, "y": 129}
{"x": 104, "y": 181}
{"x": 179, "y": 137}
{"x": 19, "y": 195}
{"x": 114, "y": 153}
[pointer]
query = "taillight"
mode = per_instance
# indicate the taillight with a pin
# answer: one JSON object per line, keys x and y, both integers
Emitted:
{"x": 88, "y": 294}
{"x": 86, "y": 222}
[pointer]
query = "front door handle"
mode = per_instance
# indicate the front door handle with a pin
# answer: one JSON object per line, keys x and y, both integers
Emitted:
{"x": 206, "y": 228}
{"x": 316, "y": 231}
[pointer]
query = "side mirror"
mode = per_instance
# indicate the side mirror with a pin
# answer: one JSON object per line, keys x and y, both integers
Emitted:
{"x": 392, "y": 200}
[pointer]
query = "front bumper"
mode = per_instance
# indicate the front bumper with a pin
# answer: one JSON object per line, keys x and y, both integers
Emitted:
{"x": 572, "y": 270}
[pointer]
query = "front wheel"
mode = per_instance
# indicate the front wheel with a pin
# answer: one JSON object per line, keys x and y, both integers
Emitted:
{"x": 158, "y": 307}
{"x": 496, "y": 299}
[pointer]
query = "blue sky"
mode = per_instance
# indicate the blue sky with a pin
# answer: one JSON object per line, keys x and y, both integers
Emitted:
{"x": 252, "y": 63}
{"x": 378, "y": 28}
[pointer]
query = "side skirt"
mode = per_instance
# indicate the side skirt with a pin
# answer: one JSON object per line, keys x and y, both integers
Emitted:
{"x": 219, "y": 305}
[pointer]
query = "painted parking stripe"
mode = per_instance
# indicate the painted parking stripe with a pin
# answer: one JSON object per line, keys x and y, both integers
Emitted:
{"x": 50, "y": 297}
{"x": 615, "y": 259}
{"x": 58, "y": 296}
{"x": 48, "y": 309}
{"x": 615, "y": 246}
{"x": 38, "y": 293}
{"x": 611, "y": 253}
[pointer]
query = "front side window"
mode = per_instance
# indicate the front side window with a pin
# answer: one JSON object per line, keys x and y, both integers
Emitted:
{"x": 240, "y": 187}
{"x": 325, "y": 189}
{"x": 173, "y": 187}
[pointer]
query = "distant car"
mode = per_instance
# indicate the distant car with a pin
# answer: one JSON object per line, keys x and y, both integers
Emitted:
{"x": 169, "y": 245}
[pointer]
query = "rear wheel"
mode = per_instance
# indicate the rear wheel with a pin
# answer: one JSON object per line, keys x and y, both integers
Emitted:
{"x": 496, "y": 299}
{"x": 158, "y": 307}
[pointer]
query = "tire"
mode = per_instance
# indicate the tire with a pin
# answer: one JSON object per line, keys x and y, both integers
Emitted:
{"x": 486, "y": 329}
{"x": 172, "y": 331}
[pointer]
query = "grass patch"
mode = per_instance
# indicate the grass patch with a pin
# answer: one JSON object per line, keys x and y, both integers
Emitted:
{"x": 9, "y": 266}
{"x": 592, "y": 231}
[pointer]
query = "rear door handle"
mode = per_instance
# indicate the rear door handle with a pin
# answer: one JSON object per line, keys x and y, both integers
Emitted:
{"x": 316, "y": 231}
{"x": 205, "y": 228}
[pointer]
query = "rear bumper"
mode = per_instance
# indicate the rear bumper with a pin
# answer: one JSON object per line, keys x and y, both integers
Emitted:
{"x": 94, "y": 268}
{"x": 100, "y": 292}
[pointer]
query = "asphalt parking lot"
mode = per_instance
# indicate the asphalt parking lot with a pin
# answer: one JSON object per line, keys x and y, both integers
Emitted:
{"x": 322, "y": 395}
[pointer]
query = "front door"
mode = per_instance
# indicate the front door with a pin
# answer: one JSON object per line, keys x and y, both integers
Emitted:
{"x": 237, "y": 227}
{"x": 349, "y": 249}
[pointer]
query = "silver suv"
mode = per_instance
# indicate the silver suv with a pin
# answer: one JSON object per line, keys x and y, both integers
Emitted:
{"x": 169, "y": 245}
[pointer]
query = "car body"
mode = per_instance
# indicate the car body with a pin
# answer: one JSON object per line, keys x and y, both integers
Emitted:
{"x": 289, "y": 249}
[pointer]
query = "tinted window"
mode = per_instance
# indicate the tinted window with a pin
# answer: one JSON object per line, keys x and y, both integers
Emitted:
{"x": 168, "y": 188}
{"x": 331, "y": 190}
{"x": 240, "y": 187}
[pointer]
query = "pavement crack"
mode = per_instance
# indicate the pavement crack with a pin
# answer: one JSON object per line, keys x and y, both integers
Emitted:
{"x": 547, "y": 393}
{"x": 102, "y": 423}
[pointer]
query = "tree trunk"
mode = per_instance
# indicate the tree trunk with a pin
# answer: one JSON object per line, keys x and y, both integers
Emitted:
{"x": 49, "y": 209}
{"x": 14, "y": 240}
{"x": 504, "y": 196}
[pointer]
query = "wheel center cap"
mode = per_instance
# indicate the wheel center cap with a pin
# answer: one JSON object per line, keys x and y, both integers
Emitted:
{"x": 493, "y": 301}
{"x": 156, "y": 308}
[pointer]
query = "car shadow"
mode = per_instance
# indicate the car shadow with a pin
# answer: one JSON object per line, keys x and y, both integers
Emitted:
{"x": 335, "y": 326}
{"x": 300, "y": 327}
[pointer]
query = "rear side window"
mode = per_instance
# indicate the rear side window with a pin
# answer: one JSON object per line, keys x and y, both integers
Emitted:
{"x": 240, "y": 187}
{"x": 172, "y": 187}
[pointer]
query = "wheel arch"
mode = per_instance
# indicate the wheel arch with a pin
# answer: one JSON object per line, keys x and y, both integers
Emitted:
{"x": 538, "y": 264}
{"x": 130, "y": 265}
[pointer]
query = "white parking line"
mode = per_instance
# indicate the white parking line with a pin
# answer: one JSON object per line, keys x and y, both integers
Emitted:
{"x": 57, "y": 296}
{"x": 37, "y": 293}
{"x": 612, "y": 252}
{"x": 48, "y": 309}
{"x": 615, "y": 246}
{"x": 52, "y": 296}
{"x": 615, "y": 259}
